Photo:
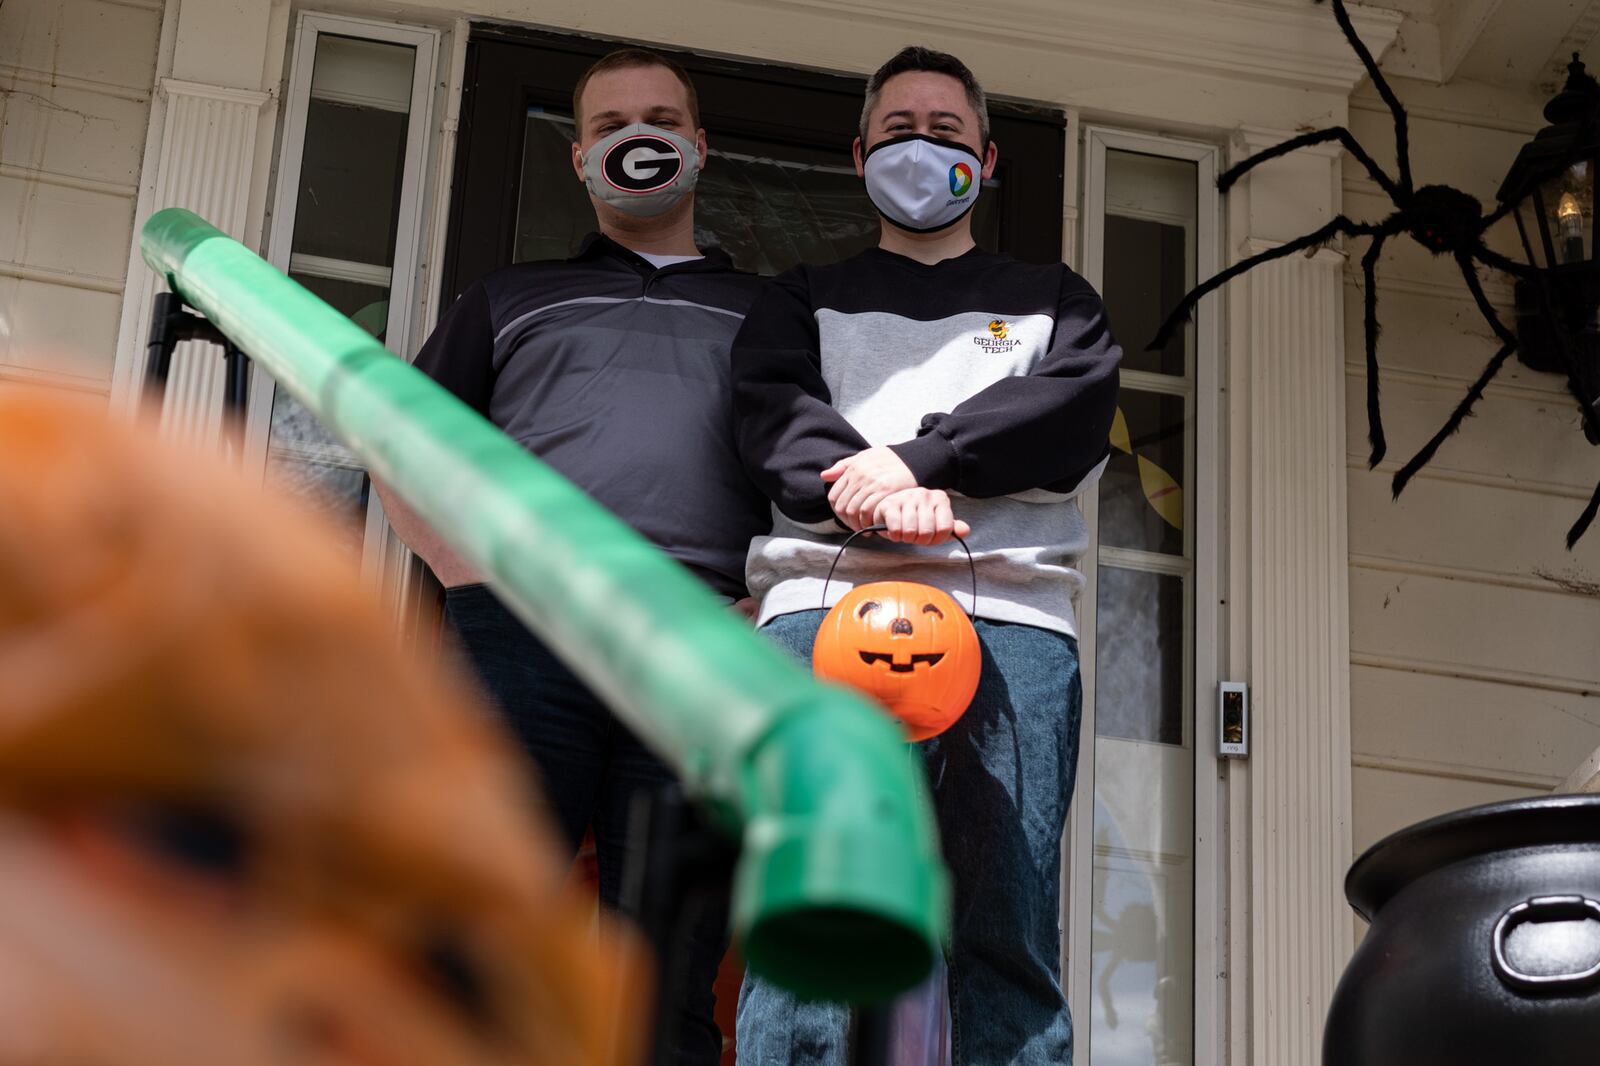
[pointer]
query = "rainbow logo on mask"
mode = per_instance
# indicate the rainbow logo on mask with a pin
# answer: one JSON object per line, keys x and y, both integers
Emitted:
{"x": 960, "y": 179}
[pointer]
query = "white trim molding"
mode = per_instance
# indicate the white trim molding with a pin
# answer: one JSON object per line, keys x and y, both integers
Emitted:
{"x": 1198, "y": 566}
{"x": 321, "y": 266}
{"x": 1289, "y": 806}
{"x": 1295, "y": 44}
{"x": 1287, "y": 422}
{"x": 1301, "y": 928}
{"x": 379, "y": 561}
{"x": 174, "y": 88}
{"x": 206, "y": 162}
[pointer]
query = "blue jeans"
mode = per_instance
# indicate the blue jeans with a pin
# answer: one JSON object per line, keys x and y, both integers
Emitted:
{"x": 1002, "y": 778}
{"x": 591, "y": 767}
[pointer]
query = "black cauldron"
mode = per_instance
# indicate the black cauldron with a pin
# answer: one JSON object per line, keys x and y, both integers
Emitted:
{"x": 1485, "y": 942}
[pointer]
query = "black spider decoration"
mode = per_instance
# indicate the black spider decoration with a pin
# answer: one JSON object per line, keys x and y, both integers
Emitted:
{"x": 1444, "y": 220}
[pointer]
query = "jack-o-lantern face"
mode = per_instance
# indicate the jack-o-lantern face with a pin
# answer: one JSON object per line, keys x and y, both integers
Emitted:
{"x": 908, "y": 645}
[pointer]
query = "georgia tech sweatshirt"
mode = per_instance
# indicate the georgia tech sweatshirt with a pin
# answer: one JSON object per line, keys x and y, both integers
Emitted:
{"x": 993, "y": 379}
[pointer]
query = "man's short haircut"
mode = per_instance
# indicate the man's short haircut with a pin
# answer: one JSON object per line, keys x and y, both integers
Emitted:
{"x": 914, "y": 58}
{"x": 626, "y": 59}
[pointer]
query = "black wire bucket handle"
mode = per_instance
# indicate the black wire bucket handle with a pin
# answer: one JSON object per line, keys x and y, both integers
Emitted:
{"x": 972, "y": 614}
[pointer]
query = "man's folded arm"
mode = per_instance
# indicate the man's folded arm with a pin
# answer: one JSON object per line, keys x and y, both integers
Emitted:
{"x": 785, "y": 424}
{"x": 1048, "y": 429}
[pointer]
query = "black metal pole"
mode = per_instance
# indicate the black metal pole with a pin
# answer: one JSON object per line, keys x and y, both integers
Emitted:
{"x": 236, "y": 393}
{"x": 171, "y": 323}
{"x": 869, "y": 1035}
{"x": 163, "y": 339}
{"x": 679, "y": 869}
{"x": 679, "y": 873}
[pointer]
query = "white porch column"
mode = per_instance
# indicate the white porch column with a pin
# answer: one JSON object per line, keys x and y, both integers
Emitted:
{"x": 207, "y": 155}
{"x": 208, "y": 128}
{"x": 1286, "y": 408}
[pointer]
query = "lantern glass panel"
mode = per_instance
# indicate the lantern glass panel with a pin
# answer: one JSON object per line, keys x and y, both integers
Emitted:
{"x": 1568, "y": 201}
{"x": 1527, "y": 215}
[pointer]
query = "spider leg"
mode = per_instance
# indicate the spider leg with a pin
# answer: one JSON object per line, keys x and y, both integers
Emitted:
{"x": 1402, "y": 135}
{"x": 1581, "y": 526}
{"x": 1508, "y": 344}
{"x": 1497, "y": 214}
{"x": 1369, "y": 269}
{"x": 1335, "y": 133}
{"x": 1180, "y": 314}
{"x": 1504, "y": 264}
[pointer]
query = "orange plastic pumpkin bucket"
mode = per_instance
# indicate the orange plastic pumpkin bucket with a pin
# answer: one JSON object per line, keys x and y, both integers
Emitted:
{"x": 908, "y": 645}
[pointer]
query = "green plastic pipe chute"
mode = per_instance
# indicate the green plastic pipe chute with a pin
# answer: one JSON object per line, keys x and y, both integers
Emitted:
{"x": 839, "y": 891}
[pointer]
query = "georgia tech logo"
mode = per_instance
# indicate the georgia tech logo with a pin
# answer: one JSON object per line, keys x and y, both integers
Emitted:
{"x": 960, "y": 179}
{"x": 998, "y": 340}
{"x": 641, "y": 163}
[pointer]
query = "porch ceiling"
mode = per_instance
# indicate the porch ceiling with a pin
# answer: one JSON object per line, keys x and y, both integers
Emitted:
{"x": 1516, "y": 44}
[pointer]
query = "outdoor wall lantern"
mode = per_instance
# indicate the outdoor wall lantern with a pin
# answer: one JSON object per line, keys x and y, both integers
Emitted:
{"x": 1552, "y": 187}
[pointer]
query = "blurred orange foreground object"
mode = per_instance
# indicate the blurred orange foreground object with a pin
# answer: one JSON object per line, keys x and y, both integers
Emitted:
{"x": 235, "y": 825}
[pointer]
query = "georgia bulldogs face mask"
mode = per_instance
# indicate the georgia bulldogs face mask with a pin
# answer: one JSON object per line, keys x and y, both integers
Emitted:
{"x": 921, "y": 183}
{"x": 641, "y": 169}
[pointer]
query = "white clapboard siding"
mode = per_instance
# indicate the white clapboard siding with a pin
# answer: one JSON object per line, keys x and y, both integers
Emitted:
{"x": 1387, "y": 800}
{"x": 59, "y": 227}
{"x": 1476, "y": 629}
{"x": 75, "y": 84}
{"x": 1493, "y": 731}
{"x": 83, "y": 39}
{"x": 1487, "y": 531}
{"x": 1436, "y": 330}
{"x": 1513, "y": 435}
{"x": 1475, "y": 636}
{"x": 66, "y": 133}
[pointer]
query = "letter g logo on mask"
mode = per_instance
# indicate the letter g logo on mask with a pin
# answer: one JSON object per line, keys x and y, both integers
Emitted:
{"x": 641, "y": 169}
{"x": 641, "y": 163}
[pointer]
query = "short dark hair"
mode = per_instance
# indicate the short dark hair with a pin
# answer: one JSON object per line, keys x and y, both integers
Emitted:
{"x": 915, "y": 57}
{"x": 625, "y": 59}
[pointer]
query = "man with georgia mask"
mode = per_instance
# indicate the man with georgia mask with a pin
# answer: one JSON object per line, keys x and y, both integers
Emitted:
{"x": 611, "y": 366}
{"x": 931, "y": 386}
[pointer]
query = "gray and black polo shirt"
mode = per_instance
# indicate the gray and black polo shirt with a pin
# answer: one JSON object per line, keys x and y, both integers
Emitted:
{"x": 617, "y": 375}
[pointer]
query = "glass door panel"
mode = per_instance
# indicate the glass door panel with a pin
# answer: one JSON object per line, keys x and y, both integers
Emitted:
{"x": 346, "y": 219}
{"x": 1143, "y": 835}
{"x": 1141, "y": 491}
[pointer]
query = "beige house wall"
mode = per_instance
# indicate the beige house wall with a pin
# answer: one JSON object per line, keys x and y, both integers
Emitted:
{"x": 76, "y": 78}
{"x": 1474, "y": 633}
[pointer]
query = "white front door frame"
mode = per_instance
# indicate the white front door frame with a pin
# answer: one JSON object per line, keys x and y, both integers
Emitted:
{"x": 1202, "y": 479}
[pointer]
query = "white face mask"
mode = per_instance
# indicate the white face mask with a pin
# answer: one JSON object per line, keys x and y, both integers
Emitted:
{"x": 921, "y": 183}
{"x": 640, "y": 169}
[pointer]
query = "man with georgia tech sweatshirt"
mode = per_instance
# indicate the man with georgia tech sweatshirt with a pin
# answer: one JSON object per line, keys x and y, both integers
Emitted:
{"x": 929, "y": 385}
